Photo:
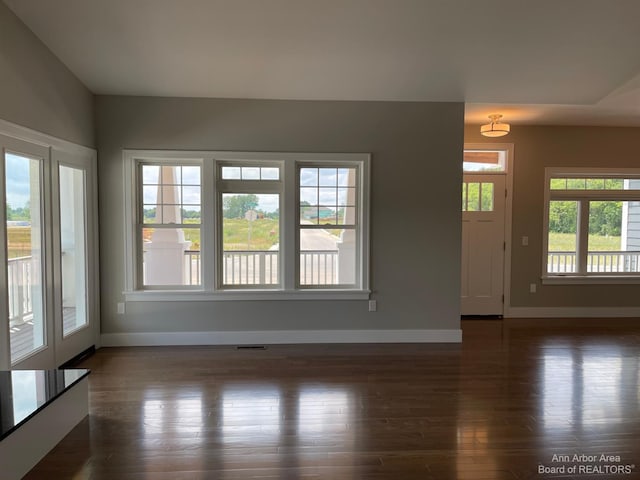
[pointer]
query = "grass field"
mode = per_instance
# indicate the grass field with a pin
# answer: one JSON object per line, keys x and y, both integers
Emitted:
{"x": 264, "y": 234}
{"x": 567, "y": 242}
{"x": 19, "y": 241}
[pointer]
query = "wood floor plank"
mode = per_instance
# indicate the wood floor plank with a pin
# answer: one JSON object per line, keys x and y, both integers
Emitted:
{"x": 496, "y": 407}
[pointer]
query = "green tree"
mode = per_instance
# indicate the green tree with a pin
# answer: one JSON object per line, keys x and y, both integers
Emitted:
{"x": 235, "y": 206}
{"x": 563, "y": 216}
{"x": 605, "y": 218}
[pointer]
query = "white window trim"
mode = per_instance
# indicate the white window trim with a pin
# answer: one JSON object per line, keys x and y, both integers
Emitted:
{"x": 584, "y": 278}
{"x": 209, "y": 203}
{"x": 246, "y": 186}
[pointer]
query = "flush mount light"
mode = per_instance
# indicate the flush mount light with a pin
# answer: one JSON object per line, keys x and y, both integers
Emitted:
{"x": 495, "y": 128}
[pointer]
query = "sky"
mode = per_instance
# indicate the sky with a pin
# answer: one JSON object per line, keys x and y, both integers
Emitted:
{"x": 17, "y": 179}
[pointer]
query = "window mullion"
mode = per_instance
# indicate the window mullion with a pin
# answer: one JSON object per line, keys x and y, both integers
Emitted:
{"x": 208, "y": 239}
{"x": 583, "y": 235}
{"x": 289, "y": 227}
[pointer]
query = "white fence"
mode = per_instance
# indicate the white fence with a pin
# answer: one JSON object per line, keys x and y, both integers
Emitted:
{"x": 19, "y": 281}
{"x": 251, "y": 267}
{"x": 597, "y": 262}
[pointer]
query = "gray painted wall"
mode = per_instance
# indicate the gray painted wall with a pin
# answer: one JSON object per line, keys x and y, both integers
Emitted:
{"x": 540, "y": 147}
{"x": 415, "y": 210}
{"x": 37, "y": 90}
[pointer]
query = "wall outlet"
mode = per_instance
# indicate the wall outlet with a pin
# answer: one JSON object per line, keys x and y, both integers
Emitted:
{"x": 533, "y": 288}
{"x": 373, "y": 305}
{"x": 525, "y": 241}
{"x": 121, "y": 308}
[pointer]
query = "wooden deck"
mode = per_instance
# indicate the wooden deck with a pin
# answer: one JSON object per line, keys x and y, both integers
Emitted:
{"x": 494, "y": 408}
{"x": 22, "y": 341}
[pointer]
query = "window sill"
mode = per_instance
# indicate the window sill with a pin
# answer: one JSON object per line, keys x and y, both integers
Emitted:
{"x": 590, "y": 280}
{"x": 243, "y": 295}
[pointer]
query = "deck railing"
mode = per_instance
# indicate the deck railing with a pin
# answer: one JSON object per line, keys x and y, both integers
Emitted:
{"x": 597, "y": 262}
{"x": 260, "y": 267}
{"x": 19, "y": 281}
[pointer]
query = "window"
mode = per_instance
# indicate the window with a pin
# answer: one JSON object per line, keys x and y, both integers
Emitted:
{"x": 169, "y": 225}
{"x": 485, "y": 161}
{"x": 249, "y": 212}
{"x": 328, "y": 225}
{"x": 246, "y": 225}
{"x": 477, "y": 196}
{"x": 592, "y": 224}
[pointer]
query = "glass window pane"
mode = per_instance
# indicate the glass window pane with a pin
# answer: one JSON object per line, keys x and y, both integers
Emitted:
{"x": 191, "y": 195}
{"x": 231, "y": 173}
{"x": 308, "y": 177}
{"x": 614, "y": 184}
{"x": 308, "y": 196}
{"x": 347, "y": 177}
{"x": 595, "y": 183}
{"x": 150, "y": 194}
{"x": 150, "y": 174}
{"x": 327, "y": 257}
{"x": 614, "y": 237}
{"x": 327, "y": 215}
{"x": 486, "y": 204}
{"x": 269, "y": 173}
{"x": 576, "y": 183}
{"x": 347, "y": 216}
{"x": 484, "y": 161}
{"x": 346, "y": 196}
{"x": 250, "y": 239}
{"x": 562, "y": 240}
{"x": 308, "y": 215}
{"x": 171, "y": 256}
{"x": 191, "y": 214}
{"x": 558, "y": 184}
{"x": 327, "y": 196}
{"x": 473, "y": 197}
{"x": 191, "y": 175}
{"x": 73, "y": 248}
{"x": 149, "y": 214}
{"x": 24, "y": 228}
{"x": 328, "y": 177}
{"x": 250, "y": 173}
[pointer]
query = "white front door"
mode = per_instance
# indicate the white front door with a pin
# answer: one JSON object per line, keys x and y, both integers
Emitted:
{"x": 483, "y": 217}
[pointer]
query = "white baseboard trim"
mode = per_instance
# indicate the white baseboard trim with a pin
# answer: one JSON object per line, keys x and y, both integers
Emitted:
{"x": 274, "y": 337}
{"x": 572, "y": 312}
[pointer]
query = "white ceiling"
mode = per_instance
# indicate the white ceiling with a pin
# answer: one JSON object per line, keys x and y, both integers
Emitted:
{"x": 537, "y": 62}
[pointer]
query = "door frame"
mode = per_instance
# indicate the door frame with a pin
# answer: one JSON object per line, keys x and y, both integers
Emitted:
{"x": 78, "y": 341}
{"x": 508, "y": 212}
{"x": 45, "y": 354}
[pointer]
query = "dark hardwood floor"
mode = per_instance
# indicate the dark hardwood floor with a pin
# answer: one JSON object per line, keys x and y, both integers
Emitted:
{"x": 498, "y": 406}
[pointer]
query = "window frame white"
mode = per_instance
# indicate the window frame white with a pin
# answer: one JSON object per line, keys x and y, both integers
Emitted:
{"x": 583, "y": 197}
{"x": 242, "y": 186}
{"x": 360, "y": 202}
{"x": 211, "y": 226}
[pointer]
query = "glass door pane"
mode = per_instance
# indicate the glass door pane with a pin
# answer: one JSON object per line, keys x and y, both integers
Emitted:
{"x": 73, "y": 249}
{"x": 23, "y": 181}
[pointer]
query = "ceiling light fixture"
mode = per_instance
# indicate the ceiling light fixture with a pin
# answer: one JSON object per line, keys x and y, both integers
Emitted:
{"x": 495, "y": 128}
